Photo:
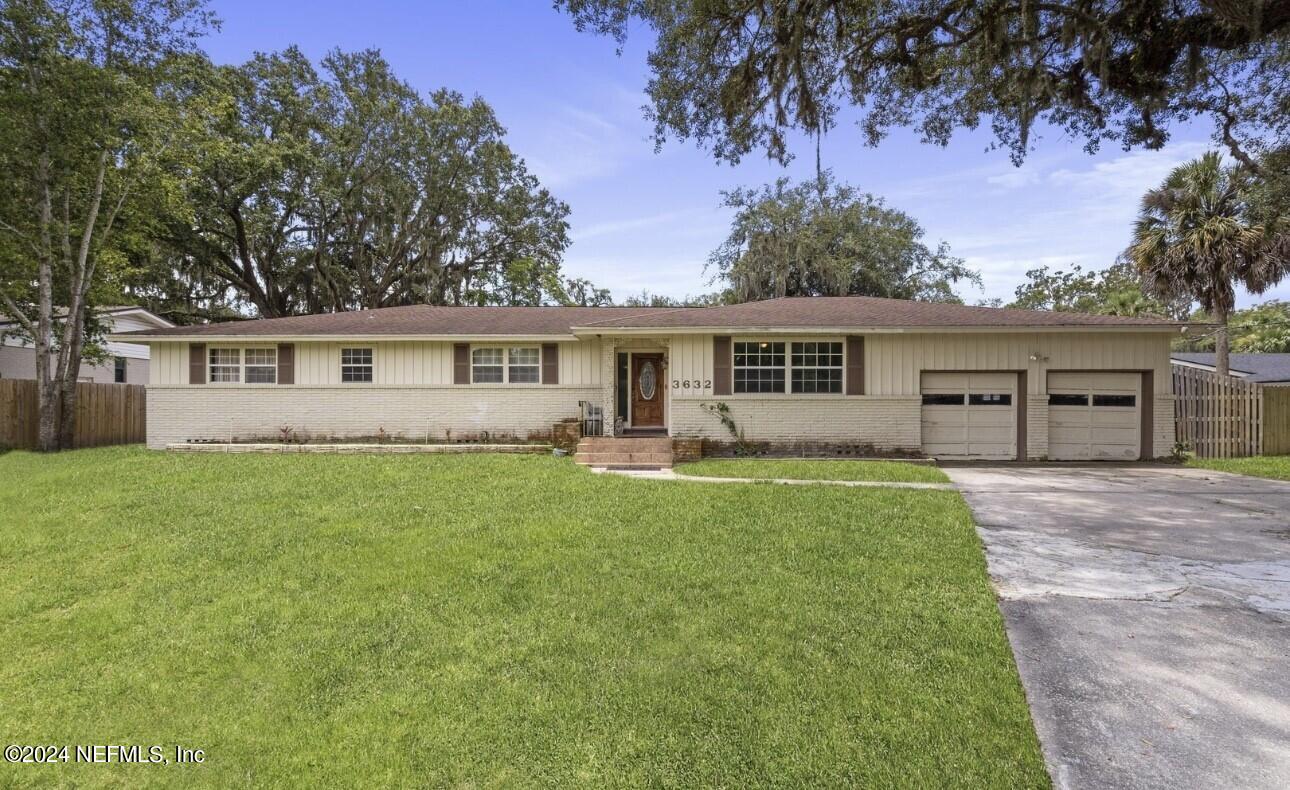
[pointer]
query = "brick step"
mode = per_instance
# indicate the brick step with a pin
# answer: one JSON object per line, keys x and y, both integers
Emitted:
{"x": 654, "y": 460}
{"x": 625, "y": 444}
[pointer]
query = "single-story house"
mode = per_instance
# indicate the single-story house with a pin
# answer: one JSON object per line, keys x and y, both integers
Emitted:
{"x": 127, "y": 363}
{"x": 1272, "y": 370}
{"x": 950, "y": 381}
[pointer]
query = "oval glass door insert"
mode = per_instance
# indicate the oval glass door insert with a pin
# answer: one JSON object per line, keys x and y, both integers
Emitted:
{"x": 648, "y": 381}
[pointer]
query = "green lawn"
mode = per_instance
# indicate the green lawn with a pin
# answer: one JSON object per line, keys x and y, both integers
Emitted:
{"x": 491, "y": 621}
{"x": 1276, "y": 467}
{"x": 795, "y": 469}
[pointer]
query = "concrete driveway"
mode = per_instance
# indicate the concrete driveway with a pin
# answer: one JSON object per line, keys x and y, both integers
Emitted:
{"x": 1149, "y": 611}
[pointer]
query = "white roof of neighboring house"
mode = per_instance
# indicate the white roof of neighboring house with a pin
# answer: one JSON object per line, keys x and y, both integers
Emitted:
{"x": 116, "y": 318}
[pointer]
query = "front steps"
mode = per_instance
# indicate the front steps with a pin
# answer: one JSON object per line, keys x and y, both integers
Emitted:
{"x": 623, "y": 452}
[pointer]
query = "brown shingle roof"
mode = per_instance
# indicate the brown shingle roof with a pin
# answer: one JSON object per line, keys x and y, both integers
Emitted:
{"x": 417, "y": 320}
{"x": 868, "y": 311}
{"x": 800, "y": 312}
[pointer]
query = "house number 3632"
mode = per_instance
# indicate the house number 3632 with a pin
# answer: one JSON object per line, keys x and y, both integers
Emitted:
{"x": 691, "y": 384}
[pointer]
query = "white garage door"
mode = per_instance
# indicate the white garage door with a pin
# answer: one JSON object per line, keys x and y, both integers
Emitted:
{"x": 970, "y": 415}
{"x": 1094, "y": 416}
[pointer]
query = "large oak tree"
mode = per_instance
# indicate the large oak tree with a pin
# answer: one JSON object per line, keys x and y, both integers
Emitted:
{"x": 740, "y": 75}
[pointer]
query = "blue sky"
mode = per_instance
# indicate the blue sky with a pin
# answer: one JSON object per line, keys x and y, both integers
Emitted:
{"x": 645, "y": 220}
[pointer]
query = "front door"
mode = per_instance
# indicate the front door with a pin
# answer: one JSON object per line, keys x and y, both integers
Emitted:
{"x": 647, "y": 390}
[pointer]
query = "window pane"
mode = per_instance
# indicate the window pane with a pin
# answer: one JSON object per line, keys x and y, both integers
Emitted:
{"x": 941, "y": 399}
{"x": 226, "y": 356}
{"x": 524, "y": 374}
{"x": 261, "y": 356}
{"x": 1067, "y": 399}
{"x": 356, "y": 356}
{"x": 486, "y": 374}
{"x": 1115, "y": 400}
{"x": 813, "y": 380}
{"x": 356, "y": 373}
{"x": 486, "y": 356}
{"x": 224, "y": 373}
{"x": 759, "y": 380}
{"x": 990, "y": 399}
{"x": 523, "y": 356}
{"x": 259, "y": 374}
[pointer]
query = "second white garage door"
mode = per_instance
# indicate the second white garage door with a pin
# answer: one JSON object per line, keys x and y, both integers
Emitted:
{"x": 1094, "y": 416}
{"x": 970, "y": 415}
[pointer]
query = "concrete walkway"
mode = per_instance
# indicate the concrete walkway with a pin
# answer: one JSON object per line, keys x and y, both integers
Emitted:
{"x": 668, "y": 474}
{"x": 1149, "y": 611}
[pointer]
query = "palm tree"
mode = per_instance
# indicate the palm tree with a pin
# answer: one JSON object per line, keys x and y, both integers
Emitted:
{"x": 1193, "y": 239}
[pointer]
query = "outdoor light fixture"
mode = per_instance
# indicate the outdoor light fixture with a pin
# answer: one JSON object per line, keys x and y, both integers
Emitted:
{"x": 1035, "y": 356}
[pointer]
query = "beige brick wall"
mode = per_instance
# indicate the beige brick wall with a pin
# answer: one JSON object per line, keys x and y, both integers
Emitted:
{"x": 176, "y": 414}
{"x": 892, "y": 423}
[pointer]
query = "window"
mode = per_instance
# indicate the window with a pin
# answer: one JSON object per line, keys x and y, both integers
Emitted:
{"x": 759, "y": 367}
{"x": 486, "y": 366}
{"x": 261, "y": 365}
{"x": 942, "y": 399}
{"x": 1067, "y": 399}
{"x": 514, "y": 365}
{"x": 522, "y": 366}
{"x": 1115, "y": 400}
{"x": 355, "y": 365}
{"x": 990, "y": 399}
{"x": 817, "y": 367}
{"x": 118, "y": 371}
{"x": 226, "y": 365}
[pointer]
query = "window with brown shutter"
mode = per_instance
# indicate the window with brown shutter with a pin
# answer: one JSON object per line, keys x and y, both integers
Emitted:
{"x": 721, "y": 365}
{"x": 460, "y": 363}
{"x": 855, "y": 365}
{"x": 550, "y": 363}
{"x": 286, "y": 363}
{"x": 196, "y": 363}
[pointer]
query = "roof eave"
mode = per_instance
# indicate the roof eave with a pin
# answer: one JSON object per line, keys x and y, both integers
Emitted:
{"x": 874, "y": 330}
{"x": 152, "y": 337}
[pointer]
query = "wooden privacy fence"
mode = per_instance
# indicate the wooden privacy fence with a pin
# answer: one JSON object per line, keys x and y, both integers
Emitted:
{"x": 105, "y": 414}
{"x": 1225, "y": 417}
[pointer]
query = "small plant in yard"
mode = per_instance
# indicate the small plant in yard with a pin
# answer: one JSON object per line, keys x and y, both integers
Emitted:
{"x": 722, "y": 411}
{"x": 285, "y": 434}
{"x": 1181, "y": 451}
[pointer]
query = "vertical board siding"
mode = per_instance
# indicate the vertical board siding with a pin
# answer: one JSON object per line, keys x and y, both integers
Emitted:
{"x": 1218, "y": 416}
{"x": 105, "y": 414}
{"x": 395, "y": 363}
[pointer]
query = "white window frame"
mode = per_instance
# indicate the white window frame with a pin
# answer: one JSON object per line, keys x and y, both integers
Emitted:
{"x": 235, "y": 366}
{"x": 841, "y": 367}
{"x": 789, "y": 367}
{"x": 735, "y": 367}
{"x": 246, "y": 366}
{"x": 369, "y": 365}
{"x": 506, "y": 364}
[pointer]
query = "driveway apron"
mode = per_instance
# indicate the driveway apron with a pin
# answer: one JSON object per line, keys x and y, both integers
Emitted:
{"x": 1148, "y": 608}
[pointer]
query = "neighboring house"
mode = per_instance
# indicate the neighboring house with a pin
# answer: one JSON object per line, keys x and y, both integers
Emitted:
{"x": 948, "y": 380}
{"x": 127, "y": 362}
{"x": 1270, "y": 369}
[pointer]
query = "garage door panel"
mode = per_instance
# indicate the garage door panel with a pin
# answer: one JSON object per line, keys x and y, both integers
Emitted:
{"x": 1106, "y": 423}
{"x": 985, "y": 428}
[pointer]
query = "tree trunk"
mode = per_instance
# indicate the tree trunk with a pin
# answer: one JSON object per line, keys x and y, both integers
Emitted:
{"x": 46, "y": 387}
{"x": 1221, "y": 343}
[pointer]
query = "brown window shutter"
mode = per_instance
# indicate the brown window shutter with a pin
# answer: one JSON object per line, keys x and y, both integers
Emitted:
{"x": 460, "y": 363}
{"x": 721, "y": 365}
{"x": 286, "y": 363}
{"x": 855, "y": 365}
{"x": 196, "y": 363}
{"x": 550, "y": 363}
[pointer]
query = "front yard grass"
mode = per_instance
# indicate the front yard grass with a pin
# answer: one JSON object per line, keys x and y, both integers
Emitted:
{"x": 822, "y": 469}
{"x": 1276, "y": 467}
{"x": 485, "y": 621}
